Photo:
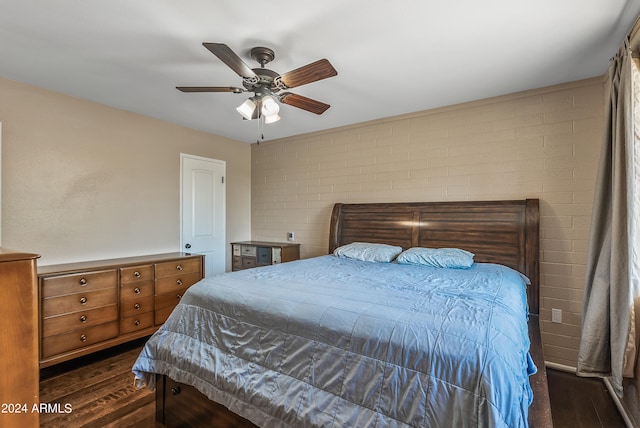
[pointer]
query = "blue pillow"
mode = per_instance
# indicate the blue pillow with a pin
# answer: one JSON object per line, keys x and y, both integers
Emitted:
{"x": 381, "y": 253}
{"x": 437, "y": 257}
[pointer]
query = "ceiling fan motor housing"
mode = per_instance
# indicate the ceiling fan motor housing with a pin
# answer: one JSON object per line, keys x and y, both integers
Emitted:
{"x": 262, "y": 55}
{"x": 263, "y": 82}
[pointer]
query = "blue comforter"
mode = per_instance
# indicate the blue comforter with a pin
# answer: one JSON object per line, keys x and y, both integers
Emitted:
{"x": 332, "y": 342}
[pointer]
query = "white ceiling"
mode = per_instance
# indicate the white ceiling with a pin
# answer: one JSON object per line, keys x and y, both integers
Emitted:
{"x": 392, "y": 57}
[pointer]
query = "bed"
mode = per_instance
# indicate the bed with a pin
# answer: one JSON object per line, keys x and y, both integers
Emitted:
{"x": 338, "y": 341}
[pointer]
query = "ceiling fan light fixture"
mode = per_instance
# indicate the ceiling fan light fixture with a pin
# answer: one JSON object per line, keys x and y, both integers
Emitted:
{"x": 269, "y": 106}
{"x": 272, "y": 118}
{"x": 248, "y": 109}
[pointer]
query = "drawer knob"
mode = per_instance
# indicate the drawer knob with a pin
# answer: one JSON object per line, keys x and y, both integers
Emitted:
{"x": 83, "y": 338}
{"x": 136, "y": 290}
{"x": 83, "y": 300}
{"x": 136, "y": 322}
{"x": 83, "y": 318}
{"x": 83, "y": 281}
{"x": 179, "y": 296}
{"x": 175, "y": 390}
{"x": 136, "y": 306}
{"x": 179, "y": 282}
{"x": 137, "y": 274}
{"x": 179, "y": 267}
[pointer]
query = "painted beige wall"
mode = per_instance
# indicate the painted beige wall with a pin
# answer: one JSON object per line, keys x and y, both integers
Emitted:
{"x": 83, "y": 181}
{"x": 538, "y": 144}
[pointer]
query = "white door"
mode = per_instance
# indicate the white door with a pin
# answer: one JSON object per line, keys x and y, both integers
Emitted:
{"x": 203, "y": 210}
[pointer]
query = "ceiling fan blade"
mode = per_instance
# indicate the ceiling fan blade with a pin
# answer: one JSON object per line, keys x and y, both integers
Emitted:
{"x": 230, "y": 58}
{"x": 210, "y": 89}
{"x": 315, "y": 71}
{"x": 304, "y": 103}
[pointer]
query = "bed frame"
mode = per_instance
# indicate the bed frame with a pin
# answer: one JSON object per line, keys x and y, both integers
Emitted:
{"x": 504, "y": 232}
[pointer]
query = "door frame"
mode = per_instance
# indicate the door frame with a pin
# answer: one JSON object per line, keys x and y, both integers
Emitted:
{"x": 224, "y": 199}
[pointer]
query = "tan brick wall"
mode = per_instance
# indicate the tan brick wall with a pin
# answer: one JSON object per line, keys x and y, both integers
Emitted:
{"x": 543, "y": 143}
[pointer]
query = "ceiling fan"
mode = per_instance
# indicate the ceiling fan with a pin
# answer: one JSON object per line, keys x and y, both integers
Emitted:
{"x": 267, "y": 84}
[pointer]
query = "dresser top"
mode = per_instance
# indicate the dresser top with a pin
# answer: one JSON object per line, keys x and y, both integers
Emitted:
{"x": 267, "y": 244}
{"x": 113, "y": 263}
{"x": 7, "y": 255}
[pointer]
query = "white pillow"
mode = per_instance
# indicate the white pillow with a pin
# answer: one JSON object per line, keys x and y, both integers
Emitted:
{"x": 437, "y": 257}
{"x": 381, "y": 253}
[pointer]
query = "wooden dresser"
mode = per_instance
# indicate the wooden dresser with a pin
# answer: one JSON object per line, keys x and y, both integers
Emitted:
{"x": 19, "y": 373}
{"x": 88, "y": 306}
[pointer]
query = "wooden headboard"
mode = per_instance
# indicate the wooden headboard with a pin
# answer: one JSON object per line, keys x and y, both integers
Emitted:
{"x": 504, "y": 232}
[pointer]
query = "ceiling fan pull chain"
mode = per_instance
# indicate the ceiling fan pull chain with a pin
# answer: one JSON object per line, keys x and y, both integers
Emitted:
{"x": 260, "y": 130}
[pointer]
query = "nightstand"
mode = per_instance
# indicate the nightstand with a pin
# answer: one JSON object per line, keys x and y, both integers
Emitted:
{"x": 250, "y": 254}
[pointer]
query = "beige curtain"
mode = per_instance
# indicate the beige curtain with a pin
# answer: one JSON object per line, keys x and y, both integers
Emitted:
{"x": 608, "y": 325}
{"x": 633, "y": 172}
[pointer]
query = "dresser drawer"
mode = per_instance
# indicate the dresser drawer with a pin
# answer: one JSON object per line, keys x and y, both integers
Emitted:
{"x": 237, "y": 263}
{"x": 60, "y": 343}
{"x": 136, "y": 290}
{"x": 178, "y": 267}
{"x": 236, "y": 250}
{"x": 79, "y": 301}
{"x": 168, "y": 299}
{"x": 130, "y": 308}
{"x": 162, "y": 314}
{"x": 77, "y": 320}
{"x": 178, "y": 283}
{"x": 248, "y": 263}
{"x": 136, "y": 274}
{"x": 164, "y": 304}
{"x": 139, "y": 322}
{"x": 77, "y": 283}
{"x": 248, "y": 250}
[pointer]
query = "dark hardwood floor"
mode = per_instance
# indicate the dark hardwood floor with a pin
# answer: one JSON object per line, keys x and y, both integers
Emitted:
{"x": 99, "y": 388}
{"x": 581, "y": 402}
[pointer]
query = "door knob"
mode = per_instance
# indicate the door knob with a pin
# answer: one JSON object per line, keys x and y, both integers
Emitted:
{"x": 187, "y": 246}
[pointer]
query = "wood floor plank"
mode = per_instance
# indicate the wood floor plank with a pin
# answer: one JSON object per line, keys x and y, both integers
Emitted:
{"x": 581, "y": 402}
{"x": 100, "y": 391}
{"x": 92, "y": 404}
{"x": 142, "y": 417}
{"x": 125, "y": 413}
{"x": 86, "y": 376}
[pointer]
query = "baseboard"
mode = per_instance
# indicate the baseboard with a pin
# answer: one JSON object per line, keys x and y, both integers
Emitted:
{"x": 619, "y": 405}
{"x": 607, "y": 382}
{"x": 560, "y": 367}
